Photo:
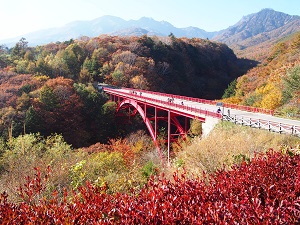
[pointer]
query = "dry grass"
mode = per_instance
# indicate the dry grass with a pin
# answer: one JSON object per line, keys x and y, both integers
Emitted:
{"x": 228, "y": 144}
{"x": 225, "y": 145}
{"x": 101, "y": 164}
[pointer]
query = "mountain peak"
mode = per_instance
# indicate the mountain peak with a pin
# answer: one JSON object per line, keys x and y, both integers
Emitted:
{"x": 144, "y": 18}
{"x": 265, "y": 26}
{"x": 265, "y": 20}
{"x": 270, "y": 15}
{"x": 267, "y": 10}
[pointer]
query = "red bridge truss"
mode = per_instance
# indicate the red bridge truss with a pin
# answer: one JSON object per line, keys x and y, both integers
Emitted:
{"x": 176, "y": 111}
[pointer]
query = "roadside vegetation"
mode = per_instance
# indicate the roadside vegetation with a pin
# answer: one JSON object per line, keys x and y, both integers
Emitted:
{"x": 128, "y": 163}
{"x": 231, "y": 175}
{"x": 229, "y": 144}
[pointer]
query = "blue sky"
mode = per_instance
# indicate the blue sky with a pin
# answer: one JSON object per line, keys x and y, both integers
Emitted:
{"x": 19, "y": 17}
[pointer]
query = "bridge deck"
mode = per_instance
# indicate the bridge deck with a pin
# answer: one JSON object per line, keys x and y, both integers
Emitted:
{"x": 199, "y": 108}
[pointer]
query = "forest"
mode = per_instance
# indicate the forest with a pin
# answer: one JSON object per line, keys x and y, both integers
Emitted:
{"x": 51, "y": 89}
{"x": 64, "y": 158}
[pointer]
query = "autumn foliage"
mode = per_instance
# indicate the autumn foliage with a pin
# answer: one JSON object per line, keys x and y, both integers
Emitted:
{"x": 53, "y": 88}
{"x": 264, "y": 191}
{"x": 275, "y": 83}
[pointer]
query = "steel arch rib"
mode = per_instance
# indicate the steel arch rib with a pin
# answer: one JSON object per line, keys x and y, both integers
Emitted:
{"x": 146, "y": 120}
{"x": 176, "y": 123}
{"x": 179, "y": 127}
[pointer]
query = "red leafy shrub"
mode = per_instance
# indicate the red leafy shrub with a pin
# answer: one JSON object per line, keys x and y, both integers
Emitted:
{"x": 265, "y": 191}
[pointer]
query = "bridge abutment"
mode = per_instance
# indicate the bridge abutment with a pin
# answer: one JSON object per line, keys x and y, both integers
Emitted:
{"x": 209, "y": 125}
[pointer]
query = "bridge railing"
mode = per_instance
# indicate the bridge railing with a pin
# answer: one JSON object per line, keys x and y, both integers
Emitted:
{"x": 210, "y": 102}
{"x": 249, "y": 108}
{"x": 243, "y": 120}
{"x": 264, "y": 124}
{"x": 164, "y": 103}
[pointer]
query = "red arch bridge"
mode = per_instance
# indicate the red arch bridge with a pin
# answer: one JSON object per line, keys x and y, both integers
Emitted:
{"x": 176, "y": 111}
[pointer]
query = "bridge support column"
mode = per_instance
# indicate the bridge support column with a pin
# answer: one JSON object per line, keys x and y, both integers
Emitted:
{"x": 185, "y": 124}
{"x": 145, "y": 110}
{"x": 155, "y": 122}
{"x": 175, "y": 129}
{"x": 169, "y": 135}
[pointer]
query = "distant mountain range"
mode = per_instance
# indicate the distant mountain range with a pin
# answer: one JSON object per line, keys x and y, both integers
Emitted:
{"x": 251, "y": 30}
{"x": 258, "y": 30}
{"x": 110, "y": 25}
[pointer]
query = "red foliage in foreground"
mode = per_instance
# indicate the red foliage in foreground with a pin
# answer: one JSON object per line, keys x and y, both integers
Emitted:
{"x": 265, "y": 191}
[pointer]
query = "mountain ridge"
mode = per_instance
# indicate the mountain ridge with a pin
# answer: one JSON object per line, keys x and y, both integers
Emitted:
{"x": 258, "y": 29}
{"x": 252, "y": 25}
{"x": 264, "y": 26}
{"x": 110, "y": 25}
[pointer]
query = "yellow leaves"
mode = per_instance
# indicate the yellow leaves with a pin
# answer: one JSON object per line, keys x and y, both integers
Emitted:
{"x": 120, "y": 67}
{"x": 139, "y": 82}
{"x": 77, "y": 174}
{"x": 263, "y": 89}
{"x": 138, "y": 146}
{"x": 271, "y": 96}
{"x": 196, "y": 127}
{"x": 232, "y": 100}
{"x": 240, "y": 86}
{"x": 271, "y": 100}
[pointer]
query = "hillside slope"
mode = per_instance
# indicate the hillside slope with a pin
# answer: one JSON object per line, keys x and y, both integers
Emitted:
{"x": 276, "y": 83}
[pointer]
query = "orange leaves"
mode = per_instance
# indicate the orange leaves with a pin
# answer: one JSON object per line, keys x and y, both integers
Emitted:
{"x": 121, "y": 146}
{"x": 60, "y": 81}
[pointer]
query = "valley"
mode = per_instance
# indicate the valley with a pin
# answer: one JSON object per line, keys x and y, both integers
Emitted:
{"x": 67, "y": 157}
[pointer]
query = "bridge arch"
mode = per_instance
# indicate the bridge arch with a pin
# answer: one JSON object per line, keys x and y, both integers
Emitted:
{"x": 147, "y": 121}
